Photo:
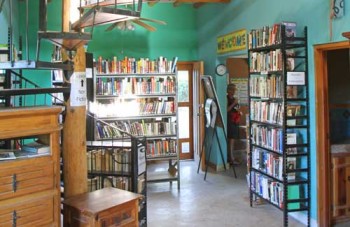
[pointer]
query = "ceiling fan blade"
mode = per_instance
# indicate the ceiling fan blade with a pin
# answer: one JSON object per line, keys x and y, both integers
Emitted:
{"x": 153, "y": 20}
{"x": 111, "y": 27}
{"x": 148, "y": 27}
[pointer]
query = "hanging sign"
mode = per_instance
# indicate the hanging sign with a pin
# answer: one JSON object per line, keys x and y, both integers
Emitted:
{"x": 78, "y": 89}
{"x": 233, "y": 41}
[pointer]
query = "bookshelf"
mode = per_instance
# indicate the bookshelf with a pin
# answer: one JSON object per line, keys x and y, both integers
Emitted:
{"x": 279, "y": 123}
{"x": 140, "y": 98}
{"x": 30, "y": 192}
{"x": 119, "y": 164}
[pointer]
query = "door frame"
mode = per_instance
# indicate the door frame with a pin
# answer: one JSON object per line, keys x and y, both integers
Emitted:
{"x": 197, "y": 114}
{"x": 322, "y": 131}
{"x": 190, "y": 155}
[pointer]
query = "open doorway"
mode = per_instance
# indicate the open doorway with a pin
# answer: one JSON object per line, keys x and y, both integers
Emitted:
{"x": 191, "y": 116}
{"x": 333, "y": 134}
{"x": 238, "y": 75}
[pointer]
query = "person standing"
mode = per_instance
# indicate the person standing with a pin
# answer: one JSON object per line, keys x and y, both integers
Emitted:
{"x": 233, "y": 119}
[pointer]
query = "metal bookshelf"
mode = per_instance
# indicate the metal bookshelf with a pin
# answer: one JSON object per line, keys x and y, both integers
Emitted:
{"x": 279, "y": 150}
{"x": 161, "y": 141}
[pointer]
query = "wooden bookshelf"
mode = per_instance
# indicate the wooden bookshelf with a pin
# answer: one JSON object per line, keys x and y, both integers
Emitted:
{"x": 31, "y": 192}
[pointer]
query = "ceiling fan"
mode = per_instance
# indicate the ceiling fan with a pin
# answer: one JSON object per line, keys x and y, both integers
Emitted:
{"x": 129, "y": 24}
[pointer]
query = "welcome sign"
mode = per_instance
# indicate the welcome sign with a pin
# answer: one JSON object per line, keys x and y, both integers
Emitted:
{"x": 233, "y": 41}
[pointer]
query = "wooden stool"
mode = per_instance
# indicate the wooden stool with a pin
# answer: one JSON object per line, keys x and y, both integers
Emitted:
{"x": 102, "y": 208}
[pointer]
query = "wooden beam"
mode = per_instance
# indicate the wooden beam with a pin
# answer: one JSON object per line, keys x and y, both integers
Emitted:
{"x": 74, "y": 140}
{"x": 74, "y": 129}
{"x": 65, "y": 15}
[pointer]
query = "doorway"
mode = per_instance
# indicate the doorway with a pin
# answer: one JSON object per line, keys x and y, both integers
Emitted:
{"x": 191, "y": 120}
{"x": 325, "y": 72}
{"x": 238, "y": 74}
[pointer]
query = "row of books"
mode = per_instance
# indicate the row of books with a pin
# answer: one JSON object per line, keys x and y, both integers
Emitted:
{"x": 270, "y": 138}
{"x": 129, "y": 109}
{"x": 271, "y": 61}
{"x": 135, "y": 128}
{"x": 265, "y": 111}
{"x": 272, "y": 164}
{"x": 30, "y": 149}
{"x": 273, "y": 191}
{"x": 100, "y": 182}
{"x": 135, "y": 86}
{"x": 269, "y": 86}
{"x": 131, "y": 65}
{"x": 270, "y": 35}
{"x": 109, "y": 160}
{"x": 158, "y": 148}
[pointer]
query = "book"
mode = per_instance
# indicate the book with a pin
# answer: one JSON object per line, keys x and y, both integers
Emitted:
{"x": 291, "y": 28}
{"x": 173, "y": 66}
{"x": 36, "y": 147}
{"x": 292, "y": 111}
{"x": 291, "y": 138}
{"x": 6, "y": 155}
{"x": 292, "y": 92}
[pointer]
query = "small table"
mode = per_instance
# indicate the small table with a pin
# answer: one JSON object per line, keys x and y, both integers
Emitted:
{"x": 102, "y": 208}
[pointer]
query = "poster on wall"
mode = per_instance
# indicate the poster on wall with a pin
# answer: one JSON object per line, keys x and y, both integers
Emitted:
{"x": 242, "y": 89}
{"x": 78, "y": 89}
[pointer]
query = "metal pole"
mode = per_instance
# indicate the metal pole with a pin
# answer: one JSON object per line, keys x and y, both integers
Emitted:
{"x": 27, "y": 25}
{"x": 11, "y": 39}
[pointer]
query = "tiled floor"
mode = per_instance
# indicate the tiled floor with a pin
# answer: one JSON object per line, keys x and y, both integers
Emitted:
{"x": 220, "y": 200}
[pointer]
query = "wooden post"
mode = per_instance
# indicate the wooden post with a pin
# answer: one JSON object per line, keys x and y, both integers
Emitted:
{"x": 74, "y": 130}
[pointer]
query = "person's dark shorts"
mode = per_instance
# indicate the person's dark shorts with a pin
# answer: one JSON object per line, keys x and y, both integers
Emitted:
{"x": 232, "y": 131}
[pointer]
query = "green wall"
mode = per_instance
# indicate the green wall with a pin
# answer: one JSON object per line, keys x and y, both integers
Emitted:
{"x": 177, "y": 38}
{"x": 215, "y": 20}
{"x": 191, "y": 35}
{"x": 5, "y": 22}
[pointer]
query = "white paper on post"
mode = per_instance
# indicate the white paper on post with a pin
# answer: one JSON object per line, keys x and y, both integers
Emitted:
{"x": 141, "y": 153}
{"x": 295, "y": 78}
{"x": 88, "y": 72}
{"x": 78, "y": 89}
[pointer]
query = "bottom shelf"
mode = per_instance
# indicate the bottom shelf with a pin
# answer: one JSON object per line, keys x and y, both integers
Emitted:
{"x": 302, "y": 207}
{"x": 161, "y": 176}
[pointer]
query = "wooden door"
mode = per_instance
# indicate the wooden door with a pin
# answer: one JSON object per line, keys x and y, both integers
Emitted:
{"x": 185, "y": 109}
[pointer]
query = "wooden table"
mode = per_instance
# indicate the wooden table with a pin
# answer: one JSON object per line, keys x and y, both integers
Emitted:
{"x": 105, "y": 207}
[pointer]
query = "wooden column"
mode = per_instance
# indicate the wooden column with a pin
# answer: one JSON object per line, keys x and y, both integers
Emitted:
{"x": 74, "y": 130}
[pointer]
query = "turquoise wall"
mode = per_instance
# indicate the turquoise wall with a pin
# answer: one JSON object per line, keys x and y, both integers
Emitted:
{"x": 5, "y": 22}
{"x": 40, "y": 77}
{"x": 215, "y": 20}
{"x": 177, "y": 38}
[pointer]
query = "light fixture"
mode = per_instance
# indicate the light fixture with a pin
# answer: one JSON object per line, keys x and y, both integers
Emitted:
{"x": 125, "y": 25}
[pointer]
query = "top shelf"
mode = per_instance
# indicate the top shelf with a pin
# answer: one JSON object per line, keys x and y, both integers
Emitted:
{"x": 67, "y": 40}
{"x": 25, "y": 64}
{"x": 98, "y": 15}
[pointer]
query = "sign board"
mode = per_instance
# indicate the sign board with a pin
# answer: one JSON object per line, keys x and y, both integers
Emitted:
{"x": 242, "y": 89}
{"x": 78, "y": 89}
{"x": 233, "y": 41}
{"x": 295, "y": 78}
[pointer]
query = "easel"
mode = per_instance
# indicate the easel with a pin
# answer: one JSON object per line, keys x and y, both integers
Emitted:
{"x": 211, "y": 94}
